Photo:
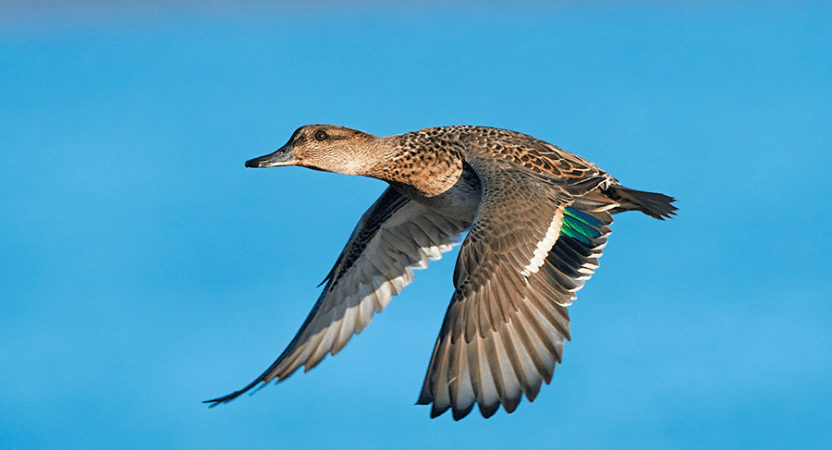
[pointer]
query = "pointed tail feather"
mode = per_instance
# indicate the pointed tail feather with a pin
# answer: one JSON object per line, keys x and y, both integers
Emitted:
{"x": 653, "y": 204}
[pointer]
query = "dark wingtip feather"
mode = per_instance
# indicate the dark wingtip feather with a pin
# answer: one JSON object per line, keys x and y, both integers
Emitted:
{"x": 488, "y": 411}
{"x": 510, "y": 404}
{"x": 220, "y": 400}
{"x": 436, "y": 412}
{"x": 235, "y": 394}
{"x": 461, "y": 413}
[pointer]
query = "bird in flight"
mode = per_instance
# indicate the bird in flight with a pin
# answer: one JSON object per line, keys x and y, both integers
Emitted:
{"x": 537, "y": 219}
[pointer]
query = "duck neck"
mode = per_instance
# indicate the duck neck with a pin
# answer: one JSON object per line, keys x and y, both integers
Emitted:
{"x": 428, "y": 169}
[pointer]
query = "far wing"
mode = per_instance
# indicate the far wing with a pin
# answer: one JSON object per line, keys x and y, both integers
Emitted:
{"x": 395, "y": 236}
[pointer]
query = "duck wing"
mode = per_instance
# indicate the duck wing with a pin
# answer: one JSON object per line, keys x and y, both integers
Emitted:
{"x": 395, "y": 236}
{"x": 519, "y": 267}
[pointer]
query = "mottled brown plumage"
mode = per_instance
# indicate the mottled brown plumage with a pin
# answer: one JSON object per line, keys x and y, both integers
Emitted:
{"x": 538, "y": 217}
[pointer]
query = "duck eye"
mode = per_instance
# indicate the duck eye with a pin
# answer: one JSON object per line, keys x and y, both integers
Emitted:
{"x": 320, "y": 135}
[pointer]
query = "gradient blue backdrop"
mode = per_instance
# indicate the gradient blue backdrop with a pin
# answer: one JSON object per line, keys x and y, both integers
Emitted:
{"x": 143, "y": 269}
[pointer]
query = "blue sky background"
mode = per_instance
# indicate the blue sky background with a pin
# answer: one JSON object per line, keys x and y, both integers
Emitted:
{"x": 143, "y": 269}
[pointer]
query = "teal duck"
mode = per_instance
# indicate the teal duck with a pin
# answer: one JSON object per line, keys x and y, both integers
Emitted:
{"x": 537, "y": 219}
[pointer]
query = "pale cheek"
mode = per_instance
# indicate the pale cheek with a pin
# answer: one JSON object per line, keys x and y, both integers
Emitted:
{"x": 329, "y": 162}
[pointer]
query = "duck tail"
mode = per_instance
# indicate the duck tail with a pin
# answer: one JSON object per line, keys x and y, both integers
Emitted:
{"x": 653, "y": 204}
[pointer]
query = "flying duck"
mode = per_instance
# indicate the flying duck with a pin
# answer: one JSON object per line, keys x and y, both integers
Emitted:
{"x": 537, "y": 219}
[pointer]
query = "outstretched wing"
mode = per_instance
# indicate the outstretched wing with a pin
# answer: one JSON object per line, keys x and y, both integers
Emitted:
{"x": 520, "y": 266}
{"x": 395, "y": 236}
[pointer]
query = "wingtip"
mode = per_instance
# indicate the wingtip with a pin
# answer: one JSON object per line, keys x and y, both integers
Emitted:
{"x": 220, "y": 400}
{"x": 233, "y": 395}
{"x": 213, "y": 402}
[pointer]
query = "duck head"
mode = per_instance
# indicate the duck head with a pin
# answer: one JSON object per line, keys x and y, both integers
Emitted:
{"x": 329, "y": 148}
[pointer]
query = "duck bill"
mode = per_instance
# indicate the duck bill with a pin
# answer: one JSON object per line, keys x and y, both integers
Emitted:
{"x": 284, "y": 156}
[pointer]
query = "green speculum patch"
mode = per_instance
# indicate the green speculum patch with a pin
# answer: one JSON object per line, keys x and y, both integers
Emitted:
{"x": 580, "y": 225}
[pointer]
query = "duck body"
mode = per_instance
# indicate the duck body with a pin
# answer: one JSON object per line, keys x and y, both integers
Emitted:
{"x": 538, "y": 219}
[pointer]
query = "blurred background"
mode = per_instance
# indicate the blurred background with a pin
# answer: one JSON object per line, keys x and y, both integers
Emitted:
{"x": 143, "y": 269}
